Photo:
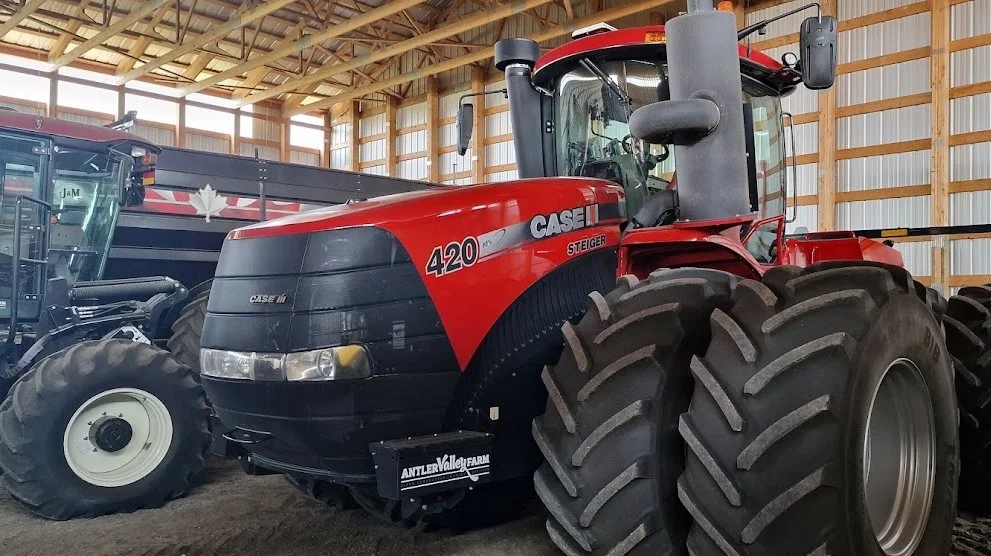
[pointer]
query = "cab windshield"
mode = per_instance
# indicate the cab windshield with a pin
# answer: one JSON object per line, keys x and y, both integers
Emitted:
{"x": 593, "y": 134}
{"x": 74, "y": 236}
{"x": 85, "y": 195}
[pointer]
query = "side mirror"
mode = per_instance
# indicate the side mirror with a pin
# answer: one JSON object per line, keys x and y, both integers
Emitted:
{"x": 817, "y": 41}
{"x": 466, "y": 119}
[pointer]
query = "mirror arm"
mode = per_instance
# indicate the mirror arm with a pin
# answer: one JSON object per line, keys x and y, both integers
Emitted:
{"x": 751, "y": 29}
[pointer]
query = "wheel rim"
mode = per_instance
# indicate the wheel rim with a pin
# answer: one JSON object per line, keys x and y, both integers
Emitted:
{"x": 899, "y": 458}
{"x": 117, "y": 437}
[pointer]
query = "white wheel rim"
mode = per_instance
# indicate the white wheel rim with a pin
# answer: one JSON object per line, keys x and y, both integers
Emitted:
{"x": 151, "y": 437}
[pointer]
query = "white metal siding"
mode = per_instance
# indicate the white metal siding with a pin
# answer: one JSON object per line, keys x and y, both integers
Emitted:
{"x": 971, "y": 113}
{"x": 888, "y": 37}
{"x": 807, "y": 217}
{"x": 972, "y": 207}
{"x": 85, "y": 118}
{"x": 408, "y": 143}
{"x": 917, "y": 256}
{"x": 340, "y": 158}
{"x": 413, "y": 169}
{"x": 411, "y": 115}
{"x": 970, "y": 162}
{"x": 24, "y": 108}
{"x": 372, "y": 125}
{"x": 892, "y": 81}
{"x": 883, "y": 213}
{"x": 304, "y": 157}
{"x": 970, "y": 256}
{"x": 157, "y": 135}
{"x": 849, "y": 9}
{"x": 878, "y": 172}
{"x": 970, "y": 19}
{"x": 888, "y": 126}
{"x": 207, "y": 143}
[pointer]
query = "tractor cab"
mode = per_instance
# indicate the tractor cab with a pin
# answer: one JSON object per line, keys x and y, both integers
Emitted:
{"x": 61, "y": 187}
{"x": 571, "y": 111}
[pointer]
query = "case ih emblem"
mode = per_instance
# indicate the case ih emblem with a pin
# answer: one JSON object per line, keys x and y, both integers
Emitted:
{"x": 542, "y": 226}
{"x": 262, "y": 299}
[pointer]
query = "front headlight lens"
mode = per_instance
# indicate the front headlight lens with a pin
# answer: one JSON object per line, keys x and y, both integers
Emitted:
{"x": 322, "y": 364}
{"x": 328, "y": 364}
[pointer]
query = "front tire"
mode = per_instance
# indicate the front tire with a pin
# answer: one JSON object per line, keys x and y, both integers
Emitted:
{"x": 609, "y": 435}
{"x": 823, "y": 420}
{"x": 103, "y": 427}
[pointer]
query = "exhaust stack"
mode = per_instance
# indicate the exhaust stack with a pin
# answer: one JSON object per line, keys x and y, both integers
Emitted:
{"x": 704, "y": 117}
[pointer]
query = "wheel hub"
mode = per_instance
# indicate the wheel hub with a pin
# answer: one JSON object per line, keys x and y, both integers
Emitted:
{"x": 900, "y": 459}
{"x": 110, "y": 434}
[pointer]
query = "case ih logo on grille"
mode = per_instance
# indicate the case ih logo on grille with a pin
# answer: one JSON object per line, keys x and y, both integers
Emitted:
{"x": 446, "y": 469}
{"x": 567, "y": 220}
{"x": 263, "y": 299}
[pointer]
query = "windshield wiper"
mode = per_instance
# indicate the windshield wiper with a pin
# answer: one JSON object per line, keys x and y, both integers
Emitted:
{"x": 613, "y": 86}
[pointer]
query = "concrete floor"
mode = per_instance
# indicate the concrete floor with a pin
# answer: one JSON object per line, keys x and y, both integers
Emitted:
{"x": 229, "y": 513}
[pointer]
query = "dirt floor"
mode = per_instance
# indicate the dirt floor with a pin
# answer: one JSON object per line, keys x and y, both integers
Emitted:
{"x": 231, "y": 513}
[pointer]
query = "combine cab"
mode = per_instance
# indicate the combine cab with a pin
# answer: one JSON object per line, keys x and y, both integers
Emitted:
{"x": 738, "y": 391}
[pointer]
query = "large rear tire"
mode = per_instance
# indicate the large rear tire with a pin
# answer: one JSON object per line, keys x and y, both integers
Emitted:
{"x": 968, "y": 337}
{"x": 823, "y": 420}
{"x": 103, "y": 427}
{"x": 609, "y": 434}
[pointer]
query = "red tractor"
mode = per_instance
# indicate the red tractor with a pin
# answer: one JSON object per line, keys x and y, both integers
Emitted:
{"x": 740, "y": 391}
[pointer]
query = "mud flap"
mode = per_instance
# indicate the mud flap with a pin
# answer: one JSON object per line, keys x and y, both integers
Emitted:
{"x": 429, "y": 464}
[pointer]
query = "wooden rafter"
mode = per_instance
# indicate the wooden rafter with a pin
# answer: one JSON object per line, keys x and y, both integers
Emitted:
{"x": 141, "y": 44}
{"x": 303, "y": 42}
{"x": 19, "y": 15}
{"x": 454, "y": 28}
{"x": 65, "y": 39}
{"x": 245, "y": 17}
{"x": 111, "y": 30}
{"x": 475, "y": 57}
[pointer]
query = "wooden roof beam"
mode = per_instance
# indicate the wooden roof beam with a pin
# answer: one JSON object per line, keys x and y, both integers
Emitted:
{"x": 20, "y": 14}
{"x": 112, "y": 30}
{"x": 303, "y": 42}
{"x": 235, "y": 22}
{"x": 450, "y": 30}
{"x": 554, "y": 32}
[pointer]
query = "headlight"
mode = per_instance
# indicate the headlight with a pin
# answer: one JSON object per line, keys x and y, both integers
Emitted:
{"x": 322, "y": 364}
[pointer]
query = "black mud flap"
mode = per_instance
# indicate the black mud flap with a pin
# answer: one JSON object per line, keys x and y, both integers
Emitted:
{"x": 434, "y": 463}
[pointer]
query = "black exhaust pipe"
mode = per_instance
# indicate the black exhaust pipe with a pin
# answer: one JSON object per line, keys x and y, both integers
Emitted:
{"x": 516, "y": 57}
{"x": 704, "y": 117}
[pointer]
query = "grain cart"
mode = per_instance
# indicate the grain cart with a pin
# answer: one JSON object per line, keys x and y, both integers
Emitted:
{"x": 391, "y": 353}
{"x": 99, "y": 417}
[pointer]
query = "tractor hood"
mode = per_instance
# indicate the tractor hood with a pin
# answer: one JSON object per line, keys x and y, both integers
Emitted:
{"x": 505, "y": 201}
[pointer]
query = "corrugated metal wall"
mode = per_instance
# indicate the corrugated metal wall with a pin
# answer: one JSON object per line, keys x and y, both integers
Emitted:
{"x": 970, "y": 114}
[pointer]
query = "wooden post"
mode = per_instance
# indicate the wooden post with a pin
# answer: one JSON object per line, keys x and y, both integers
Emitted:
{"x": 939, "y": 198}
{"x": 827, "y": 148}
{"x": 285, "y": 128}
{"x": 328, "y": 137}
{"x": 180, "y": 128}
{"x": 740, "y": 9}
{"x": 391, "y": 135}
{"x": 53, "y": 96}
{"x": 478, "y": 137}
{"x": 433, "y": 130}
{"x": 236, "y": 137}
{"x": 354, "y": 143}
{"x": 121, "y": 109}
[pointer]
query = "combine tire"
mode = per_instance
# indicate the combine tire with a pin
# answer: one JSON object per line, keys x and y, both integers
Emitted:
{"x": 968, "y": 337}
{"x": 823, "y": 420}
{"x": 609, "y": 434}
{"x": 184, "y": 344}
{"x": 103, "y": 427}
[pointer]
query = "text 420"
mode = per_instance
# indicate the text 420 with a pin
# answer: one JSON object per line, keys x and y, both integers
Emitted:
{"x": 453, "y": 257}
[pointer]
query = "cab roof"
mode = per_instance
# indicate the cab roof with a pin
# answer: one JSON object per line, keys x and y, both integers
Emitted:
{"x": 66, "y": 130}
{"x": 650, "y": 42}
